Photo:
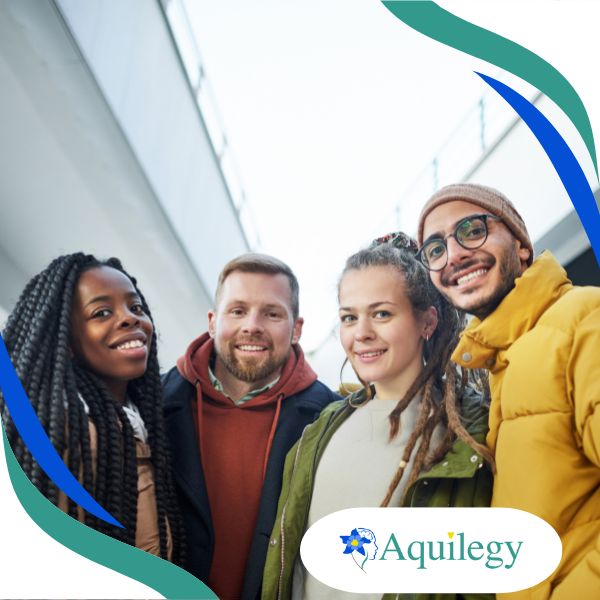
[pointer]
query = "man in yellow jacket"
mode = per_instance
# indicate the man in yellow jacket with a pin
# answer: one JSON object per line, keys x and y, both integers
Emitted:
{"x": 539, "y": 336}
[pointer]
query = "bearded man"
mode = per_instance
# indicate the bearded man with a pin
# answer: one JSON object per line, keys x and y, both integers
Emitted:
{"x": 237, "y": 401}
{"x": 539, "y": 337}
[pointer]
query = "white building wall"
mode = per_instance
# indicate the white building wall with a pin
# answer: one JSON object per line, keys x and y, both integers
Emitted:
{"x": 109, "y": 156}
{"x": 129, "y": 50}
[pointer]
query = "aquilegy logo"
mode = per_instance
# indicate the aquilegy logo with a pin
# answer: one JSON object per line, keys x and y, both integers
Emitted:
{"x": 355, "y": 542}
{"x": 431, "y": 550}
{"x": 491, "y": 554}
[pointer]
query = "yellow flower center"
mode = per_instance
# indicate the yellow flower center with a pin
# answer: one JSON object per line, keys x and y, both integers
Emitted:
{"x": 354, "y": 543}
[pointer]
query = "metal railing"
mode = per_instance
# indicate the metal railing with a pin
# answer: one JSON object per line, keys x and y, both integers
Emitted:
{"x": 191, "y": 59}
{"x": 473, "y": 138}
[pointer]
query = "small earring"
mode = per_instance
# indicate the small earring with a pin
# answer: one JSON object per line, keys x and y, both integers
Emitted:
{"x": 427, "y": 336}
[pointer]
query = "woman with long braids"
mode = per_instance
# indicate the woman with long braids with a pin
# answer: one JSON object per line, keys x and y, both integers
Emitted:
{"x": 403, "y": 438}
{"x": 82, "y": 341}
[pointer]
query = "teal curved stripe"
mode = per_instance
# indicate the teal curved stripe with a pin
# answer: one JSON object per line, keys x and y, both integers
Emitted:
{"x": 433, "y": 21}
{"x": 161, "y": 575}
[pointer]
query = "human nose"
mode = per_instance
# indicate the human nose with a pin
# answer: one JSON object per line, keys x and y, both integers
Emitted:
{"x": 456, "y": 252}
{"x": 363, "y": 330}
{"x": 253, "y": 323}
{"x": 127, "y": 318}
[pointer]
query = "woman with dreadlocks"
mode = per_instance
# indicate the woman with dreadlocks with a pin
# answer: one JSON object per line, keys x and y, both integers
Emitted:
{"x": 82, "y": 341}
{"x": 403, "y": 438}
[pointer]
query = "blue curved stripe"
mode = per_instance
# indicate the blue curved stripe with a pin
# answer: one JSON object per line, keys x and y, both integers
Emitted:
{"x": 30, "y": 429}
{"x": 432, "y": 20}
{"x": 569, "y": 170}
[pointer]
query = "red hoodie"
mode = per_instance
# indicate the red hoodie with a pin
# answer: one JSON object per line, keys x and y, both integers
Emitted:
{"x": 234, "y": 446}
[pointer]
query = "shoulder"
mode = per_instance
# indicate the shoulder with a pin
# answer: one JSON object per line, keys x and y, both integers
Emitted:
{"x": 314, "y": 431}
{"x": 315, "y": 396}
{"x": 176, "y": 388}
{"x": 576, "y": 305}
{"x": 170, "y": 376}
{"x": 334, "y": 407}
{"x": 337, "y": 406}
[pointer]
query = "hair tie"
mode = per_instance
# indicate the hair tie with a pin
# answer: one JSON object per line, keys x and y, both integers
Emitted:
{"x": 397, "y": 239}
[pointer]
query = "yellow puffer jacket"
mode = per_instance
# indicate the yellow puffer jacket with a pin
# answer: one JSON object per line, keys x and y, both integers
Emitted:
{"x": 542, "y": 347}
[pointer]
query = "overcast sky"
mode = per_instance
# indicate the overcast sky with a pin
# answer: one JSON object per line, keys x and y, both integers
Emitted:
{"x": 333, "y": 108}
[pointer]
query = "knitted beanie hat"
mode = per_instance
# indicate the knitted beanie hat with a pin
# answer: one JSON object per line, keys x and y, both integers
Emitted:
{"x": 488, "y": 198}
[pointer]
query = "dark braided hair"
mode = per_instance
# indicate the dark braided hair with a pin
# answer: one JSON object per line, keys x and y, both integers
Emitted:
{"x": 439, "y": 373}
{"x": 37, "y": 336}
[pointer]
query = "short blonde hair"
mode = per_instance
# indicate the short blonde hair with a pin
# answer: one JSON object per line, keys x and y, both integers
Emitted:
{"x": 254, "y": 262}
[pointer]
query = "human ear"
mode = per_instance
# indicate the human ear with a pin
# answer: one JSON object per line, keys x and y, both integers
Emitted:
{"x": 212, "y": 325}
{"x": 430, "y": 321}
{"x": 524, "y": 253}
{"x": 297, "y": 330}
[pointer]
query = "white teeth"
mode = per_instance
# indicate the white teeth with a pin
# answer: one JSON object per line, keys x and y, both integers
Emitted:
{"x": 466, "y": 278}
{"x": 131, "y": 344}
{"x": 371, "y": 354}
{"x": 251, "y": 348}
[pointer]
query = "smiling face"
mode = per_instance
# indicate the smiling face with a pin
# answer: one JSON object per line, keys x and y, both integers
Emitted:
{"x": 380, "y": 332}
{"x": 253, "y": 328}
{"x": 110, "y": 333}
{"x": 476, "y": 280}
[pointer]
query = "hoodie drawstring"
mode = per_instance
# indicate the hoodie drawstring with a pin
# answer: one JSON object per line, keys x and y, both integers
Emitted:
{"x": 272, "y": 433}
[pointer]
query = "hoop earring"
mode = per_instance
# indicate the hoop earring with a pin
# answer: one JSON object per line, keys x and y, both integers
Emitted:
{"x": 353, "y": 405}
{"x": 366, "y": 386}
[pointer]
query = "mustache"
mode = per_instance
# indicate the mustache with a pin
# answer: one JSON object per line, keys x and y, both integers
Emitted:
{"x": 485, "y": 263}
{"x": 252, "y": 339}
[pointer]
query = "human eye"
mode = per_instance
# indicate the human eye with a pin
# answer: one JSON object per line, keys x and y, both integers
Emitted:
{"x": 382, "y": 314}
{"x": 434, "y": 250}
{"x": 274, "y": 314}
{"x": 471, "y": 229}
{"x": 236, "y": 311}
{"x": 346, "y": 319}
{"x": 137, "y": 308}
{"x": 101, "y": 313}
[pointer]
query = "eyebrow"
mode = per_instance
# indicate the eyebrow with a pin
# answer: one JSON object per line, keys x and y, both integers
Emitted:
{"x": 106, "y": 298}
{"x": 371, "y": 306}
{"x": 439, "y": 235}
{"x": 244, "y": 303}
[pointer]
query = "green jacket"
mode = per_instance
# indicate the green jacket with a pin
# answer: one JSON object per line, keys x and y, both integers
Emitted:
{"x": 460, "y": 479}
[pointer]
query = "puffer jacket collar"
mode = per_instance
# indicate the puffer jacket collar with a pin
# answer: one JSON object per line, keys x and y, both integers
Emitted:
{"x": 540, "y": 286}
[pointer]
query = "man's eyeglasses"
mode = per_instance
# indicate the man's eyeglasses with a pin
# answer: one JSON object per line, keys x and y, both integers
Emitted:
{"x": 470, "y": 233}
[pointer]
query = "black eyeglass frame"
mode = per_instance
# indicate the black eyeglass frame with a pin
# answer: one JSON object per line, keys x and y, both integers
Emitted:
{"x": 484, "y": 218}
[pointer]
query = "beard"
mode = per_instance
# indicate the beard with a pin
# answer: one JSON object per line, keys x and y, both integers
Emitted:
{"x": 250, "y": 369}
{"x": 509, "y": 267}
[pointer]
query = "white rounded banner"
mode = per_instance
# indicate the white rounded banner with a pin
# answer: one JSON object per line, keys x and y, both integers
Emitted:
{"x": 431, "y": 550}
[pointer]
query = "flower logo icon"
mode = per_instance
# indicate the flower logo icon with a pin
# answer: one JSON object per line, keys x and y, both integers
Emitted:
{"x": 356, "y": 541}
